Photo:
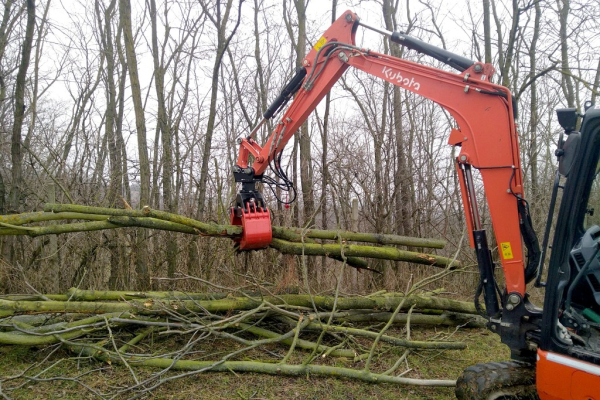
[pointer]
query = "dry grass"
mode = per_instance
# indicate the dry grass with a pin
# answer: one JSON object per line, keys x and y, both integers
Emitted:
{"x": 482, "y": 347}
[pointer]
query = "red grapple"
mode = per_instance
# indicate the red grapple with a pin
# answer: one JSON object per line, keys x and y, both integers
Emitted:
{"x": 256, "y": 226}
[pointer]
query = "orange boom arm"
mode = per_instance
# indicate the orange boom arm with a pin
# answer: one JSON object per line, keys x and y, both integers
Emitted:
{"x": 485, "y": 130}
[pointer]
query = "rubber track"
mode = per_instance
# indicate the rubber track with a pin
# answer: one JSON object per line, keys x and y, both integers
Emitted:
{"x": 498, "y": 380}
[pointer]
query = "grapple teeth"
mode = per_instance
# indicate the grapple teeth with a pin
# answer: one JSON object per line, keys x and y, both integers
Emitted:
{"x": 256, "y": 227}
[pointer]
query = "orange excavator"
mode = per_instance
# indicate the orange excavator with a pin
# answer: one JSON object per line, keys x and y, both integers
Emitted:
{"x": 555, "y": 351}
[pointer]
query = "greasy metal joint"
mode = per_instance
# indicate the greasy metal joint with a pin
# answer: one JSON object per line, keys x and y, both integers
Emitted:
{"x": 514, "y": 299}
{"x": 342, "y": 56}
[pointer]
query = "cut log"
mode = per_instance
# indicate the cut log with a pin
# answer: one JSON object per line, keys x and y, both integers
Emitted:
{"x": 257, "y": 367}
{"x": 286, "y": 240}
{"x": 379, "y": 238}
{"x": 156, "y": 306}
{"x": 348, "y": 250}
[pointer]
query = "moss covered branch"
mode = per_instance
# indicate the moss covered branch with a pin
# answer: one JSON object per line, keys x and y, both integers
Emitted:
{"x": 286, "y": 240}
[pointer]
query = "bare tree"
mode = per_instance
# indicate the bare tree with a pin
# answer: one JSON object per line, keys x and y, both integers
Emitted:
{"x": 105, "y": 20}
{"x": 220, "y": 19}
{"x": 402, "y": 177}
{"x": 566, "y": 78}
{"x": 141, "y": 254}
{"x": 19, "y": 115}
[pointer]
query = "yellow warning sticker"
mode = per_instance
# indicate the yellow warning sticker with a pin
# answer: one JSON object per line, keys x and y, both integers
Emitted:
{"x": 320, "y": 43}
{"x": 506, "y": 251}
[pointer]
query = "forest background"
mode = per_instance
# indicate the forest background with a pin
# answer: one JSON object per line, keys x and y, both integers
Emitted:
{"x": 114, "y": 102}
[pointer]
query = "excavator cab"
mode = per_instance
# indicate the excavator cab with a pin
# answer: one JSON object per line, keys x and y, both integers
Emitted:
{"x": 568, "y": 365}
{"x": 564, "y": 337}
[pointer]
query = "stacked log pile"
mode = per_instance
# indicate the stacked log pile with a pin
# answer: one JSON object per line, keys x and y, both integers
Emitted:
{"x": 285, "y": 240}
{"x": 297, "y": 334}
{"x": 293, "y": 334}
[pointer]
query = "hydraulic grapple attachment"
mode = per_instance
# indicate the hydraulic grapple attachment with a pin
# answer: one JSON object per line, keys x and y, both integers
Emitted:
{"x": 250, "y": 211}
{"x": 256, "y": 226}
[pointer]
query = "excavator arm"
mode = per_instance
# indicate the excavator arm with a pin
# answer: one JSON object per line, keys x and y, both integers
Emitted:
{"x": 485, "y": 131}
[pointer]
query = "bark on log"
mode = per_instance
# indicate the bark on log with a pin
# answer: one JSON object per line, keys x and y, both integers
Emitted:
{"x": 437, "y": 317}
{"x": 445, "y": 319}
{"x": 53, "y": 212}
{"x": 40, "y": 216}
{"x": 291, "y": 236}
{"x": 98, "y": 218}
{"x": 259, "y": 367}
{"x": 108, "y": 218}
{"x": 203, "y": 227}
{"x": 115, "y": 295}
{"x": 299, "y": 343}
{"x": 379, "y": 238}
{"x": 386, "y": 253}
{"x": 41, "y": 338}
{"x": 409, "y": 344}
{"x": 155, "y": 306}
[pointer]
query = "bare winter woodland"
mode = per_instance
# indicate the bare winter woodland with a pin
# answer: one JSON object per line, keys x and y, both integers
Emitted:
{"x": 109, "y": 102}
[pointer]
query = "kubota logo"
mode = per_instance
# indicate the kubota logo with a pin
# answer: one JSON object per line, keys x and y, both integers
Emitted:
{"x": 396, "y": 76}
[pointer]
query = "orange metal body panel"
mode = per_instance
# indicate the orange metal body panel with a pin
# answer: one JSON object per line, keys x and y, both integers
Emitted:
{"x": 256, "y": 227}
{"x": 488, "y": 142}
{"x": 560, "y": 377}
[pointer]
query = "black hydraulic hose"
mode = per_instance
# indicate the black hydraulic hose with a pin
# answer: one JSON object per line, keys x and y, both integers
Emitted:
{"x": 531, "y": 242}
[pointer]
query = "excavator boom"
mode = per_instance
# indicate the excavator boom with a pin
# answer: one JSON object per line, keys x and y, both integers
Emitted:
{"x": 482, "y": 110}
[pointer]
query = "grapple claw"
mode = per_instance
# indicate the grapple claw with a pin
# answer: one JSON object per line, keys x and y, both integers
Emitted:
{"x": 256, "y": 226}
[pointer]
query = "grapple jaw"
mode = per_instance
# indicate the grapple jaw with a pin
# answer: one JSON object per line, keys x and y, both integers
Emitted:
{"x": 250, "y": 212}
{"x": 256, "y": 226}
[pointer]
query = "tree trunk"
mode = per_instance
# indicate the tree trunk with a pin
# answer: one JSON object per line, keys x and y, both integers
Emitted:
{"x": 166, "y": 137}
{"x": 42, "y": 30}
{"x": 566, "y": 79}
{"x": 136, "y": 94}
{"x": 220, "y": 21}
{"x": 105, "y": 20}
{"x": 324, "y": 140}
{"x": 536, "y": 210}
{"x": 141, "y": 253}
{"x": 506, "y": 55}
{"x": 120, "y": 116}
{"x": 403, "y": 180}
{"x": 596, "y": 87}
{"x": 487, "y": 32}
{"x": 19, "y": 115}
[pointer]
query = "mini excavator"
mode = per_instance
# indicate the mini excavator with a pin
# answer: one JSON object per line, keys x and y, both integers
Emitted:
{"x": 555, "y": 351}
